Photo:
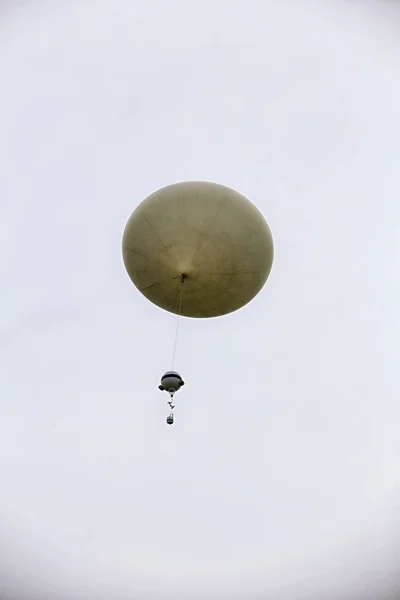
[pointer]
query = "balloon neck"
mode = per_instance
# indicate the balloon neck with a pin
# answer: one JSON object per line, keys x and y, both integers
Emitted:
{"x": 183, "y": 277}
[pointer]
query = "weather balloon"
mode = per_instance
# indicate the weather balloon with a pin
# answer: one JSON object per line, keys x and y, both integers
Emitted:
{"x": 204, "y": 235}
{"x": 197, "y": 249}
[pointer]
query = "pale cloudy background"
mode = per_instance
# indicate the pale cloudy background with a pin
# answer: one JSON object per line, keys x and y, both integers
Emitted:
{"x": 280, "y": 479}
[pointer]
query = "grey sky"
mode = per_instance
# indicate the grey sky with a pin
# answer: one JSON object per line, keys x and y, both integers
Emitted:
{"x": 281, "y": 475}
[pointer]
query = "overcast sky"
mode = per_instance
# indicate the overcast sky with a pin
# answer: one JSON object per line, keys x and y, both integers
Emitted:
{"x": 281, "y": 476}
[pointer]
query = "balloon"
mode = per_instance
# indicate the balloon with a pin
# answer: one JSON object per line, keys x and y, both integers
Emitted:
{"x": 198, "y": 249}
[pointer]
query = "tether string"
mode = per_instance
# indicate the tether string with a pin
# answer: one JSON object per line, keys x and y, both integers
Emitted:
{"x": 177, "y": 325}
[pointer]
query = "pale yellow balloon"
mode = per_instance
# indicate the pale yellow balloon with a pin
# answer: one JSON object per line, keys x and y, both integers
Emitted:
{"x": 199, "y": 246}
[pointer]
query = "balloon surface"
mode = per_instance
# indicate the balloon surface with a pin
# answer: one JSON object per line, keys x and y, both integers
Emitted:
{"x": 197, "y": 248}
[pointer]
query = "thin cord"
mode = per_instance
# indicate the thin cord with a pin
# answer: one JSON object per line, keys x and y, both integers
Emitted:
{"x": 177, "y": 326}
